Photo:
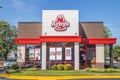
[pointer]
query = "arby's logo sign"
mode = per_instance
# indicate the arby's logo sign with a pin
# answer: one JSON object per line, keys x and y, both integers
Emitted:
{"x": 60, "y": 24}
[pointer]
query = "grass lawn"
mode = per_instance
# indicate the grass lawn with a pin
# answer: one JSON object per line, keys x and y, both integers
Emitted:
{"x": 62, "y": 73}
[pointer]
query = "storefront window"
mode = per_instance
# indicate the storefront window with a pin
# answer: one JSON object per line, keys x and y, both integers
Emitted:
{"x": 37, "y": 52}
{"x": 33, "y": 54}
{"x": 51, "y": 44}
{"x": 30, "y": 52}
{"x": 67, "y": 44}
{"x": 60, "y": 53}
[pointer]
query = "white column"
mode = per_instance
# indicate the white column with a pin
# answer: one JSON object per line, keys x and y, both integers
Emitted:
{"x": 44, "y": 56}
{"x": 21, "y": 53}
{"x": 76, "y": 56}
{"x": 99, "y": 55}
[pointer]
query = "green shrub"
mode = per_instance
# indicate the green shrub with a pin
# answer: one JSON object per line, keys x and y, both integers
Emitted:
{"x": 68, "y": 67}
{"x": 87, "y": 69}
{"x": 93, "y": 70}
{"x": 32, "y": 69}
{"x": 60, "y": 67}
{"x": 54, "y": 67}
{"x": 24, "y": 69}
{"x": 17, "y": 70}
{"x": 102, "y": 70}
{"x": 105, "y": 70}
{"x": 111, "y": 70}
{"x": 118, "y": 70}
{"x": 13, "y": 71}
{"x": 14, "y": 66}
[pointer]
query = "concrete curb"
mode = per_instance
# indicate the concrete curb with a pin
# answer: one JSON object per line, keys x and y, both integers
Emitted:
{"x": 59, "y": 77}
{"x": 55, "y": 77}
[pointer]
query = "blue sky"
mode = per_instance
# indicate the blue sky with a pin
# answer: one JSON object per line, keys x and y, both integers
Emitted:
{"x": 107, "y": 11}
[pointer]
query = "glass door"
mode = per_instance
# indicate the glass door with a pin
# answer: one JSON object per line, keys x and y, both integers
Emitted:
{"x": 83, "y": 59}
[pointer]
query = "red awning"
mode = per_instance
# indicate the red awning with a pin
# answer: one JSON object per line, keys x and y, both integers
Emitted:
{"x": 48, "y": 39}
{"x": 65, "y": 39}
{"x": 27, "y": 41}
{"x": 60, "y": 38}
{"x": 99, "y": 41}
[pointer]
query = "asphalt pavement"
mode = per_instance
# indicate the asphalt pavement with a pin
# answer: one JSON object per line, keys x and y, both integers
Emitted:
{"x": 2, "y": 70}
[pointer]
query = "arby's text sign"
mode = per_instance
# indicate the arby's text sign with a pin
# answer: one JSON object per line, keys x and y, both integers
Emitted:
{"x": 60, "y": 23}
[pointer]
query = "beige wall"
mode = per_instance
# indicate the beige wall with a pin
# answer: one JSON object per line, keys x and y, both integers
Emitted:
{"x": 76, "y": 56}
{"x": 44, "y": 52}
{"x": 21, "y": 53}
{"x": 99, "y": 55}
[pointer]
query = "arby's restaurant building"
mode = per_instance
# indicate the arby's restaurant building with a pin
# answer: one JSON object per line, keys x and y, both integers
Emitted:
{"x": 62, "y": 39}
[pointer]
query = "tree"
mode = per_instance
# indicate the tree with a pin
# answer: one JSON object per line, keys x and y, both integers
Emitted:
{"x": 106, "y": 32}
{"x": 106, "y": 50}
{"x": 7, "y": 35}
{"x": 116, "y": 50}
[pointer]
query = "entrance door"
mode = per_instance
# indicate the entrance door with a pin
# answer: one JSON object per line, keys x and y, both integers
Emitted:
{"x": 83, "y": 59}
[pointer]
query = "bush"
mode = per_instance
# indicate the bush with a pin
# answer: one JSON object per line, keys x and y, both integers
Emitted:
{"x": 102, "y": 70}
{"x": 14, "y": 66}
{"x": 60, "y": 67}
{"x": 13, "y": 71}
{"x": 32, "y": 69}
{"x": 54, "y": 67}
{"x": 17, "y": 70}
{"x": 111, "y": 70}
{"x": 24, "y": 69}
{"x": 87, "y": 69}
{"x": 68, "y": 67}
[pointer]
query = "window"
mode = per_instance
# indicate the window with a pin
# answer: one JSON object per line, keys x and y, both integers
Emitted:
{"x": 29, "y": 52}
{"x": 60, "y": 53}
{"x": 33, "y": 55}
